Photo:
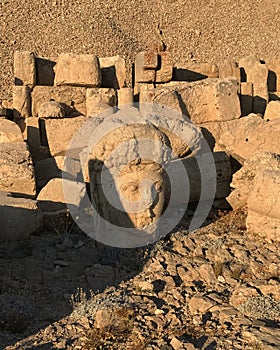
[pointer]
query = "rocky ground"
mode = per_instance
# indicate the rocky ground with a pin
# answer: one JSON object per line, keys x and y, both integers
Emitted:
{"x": 215, "y": 288}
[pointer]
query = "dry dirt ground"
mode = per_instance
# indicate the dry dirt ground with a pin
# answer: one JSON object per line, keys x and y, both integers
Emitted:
{"x": 215, "y": 288}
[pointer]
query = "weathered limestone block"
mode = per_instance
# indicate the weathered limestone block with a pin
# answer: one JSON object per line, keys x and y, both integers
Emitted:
{"x": 192, "y": 71}
{"x": 21, "y": 102}
{"x": 153, "y": 67}
{"x": 229, "y": 69}
{"x": 72, "y": 98}
{"x": 272, "y": 110}
{"x": 24, "y": 68}
{"x": 273, "y": 81}
{"x": 9, "y": 131}
{"x": 99, "y": 100}
{"x": 16, "y": 169}
{"x": 194, "y": 172}
{"x": 19, "y": 217}
{"x": 50, "y": 168}
{"x": 51, "y": 109}
{"x": 77, "y": 70}
{"x": 125, "y": 96}
{"x": 59, "y": 133}
{"x": 247, "y": 136}
{"x": 203, "y": 101}
{"x": 145, "y": 67}
{"x": 246, "y": 98}
{"x": 243, "y": 180}
{"x": 59, "y": 193}
{"x": 257, "y": 74}
{"x": 113, "y": 72}
{"x": 264, "y": 206}
{"x": 165, "y": 68}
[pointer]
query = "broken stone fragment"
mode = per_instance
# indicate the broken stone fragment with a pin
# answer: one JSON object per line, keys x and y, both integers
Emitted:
{"x": 264, "y": 206}
{"x": 9, "y": 132}
{"x": 243, "y": 180}
{"x": 125, "y": 96}
{"x": 256, "y": 72}
{"x": 153, "y": 67}
{"x": 77, "y": 70}
{"x": 24, "y": 68}
{"x": 19, "y": 217}
{"x": 59, "y": 132}
{"x": 59, "y": 194}
{"x": 229, "y": 69}
{"x": 247, "y": 136}
{"x": 272, "y": 110}
{"x": 21, "y": 102}
{"x": 51, "y": 109}
{"x": 16, "y": 169}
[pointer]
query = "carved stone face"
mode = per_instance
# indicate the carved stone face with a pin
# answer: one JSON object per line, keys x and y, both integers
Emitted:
{"x": 141, "y": 190}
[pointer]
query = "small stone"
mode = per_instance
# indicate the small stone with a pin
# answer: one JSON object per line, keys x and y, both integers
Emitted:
{"x": 51, "y": 109}
{"x": 200, "y": 304}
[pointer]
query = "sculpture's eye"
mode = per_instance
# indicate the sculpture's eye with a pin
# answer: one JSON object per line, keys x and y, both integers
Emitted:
{"x": 132, "y": 188}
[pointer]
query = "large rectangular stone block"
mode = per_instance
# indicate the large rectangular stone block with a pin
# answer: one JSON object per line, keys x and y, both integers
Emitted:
{"x": 264, "y": 206}
{"x": 77, "y": 70}
{"x": 203, "y": 101}
{"x": 59, "y": 133}
{"x": 19, "y": 217}
{"x": 24, "y": 68}
{"x": 229, "y": 69}
{"x": 256, "y": 72}
{"x": 16, "y": 169}
{"x": 72, "y": 98}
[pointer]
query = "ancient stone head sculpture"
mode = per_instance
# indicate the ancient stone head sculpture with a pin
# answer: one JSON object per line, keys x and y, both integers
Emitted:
{"x": 127, "y": 179}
